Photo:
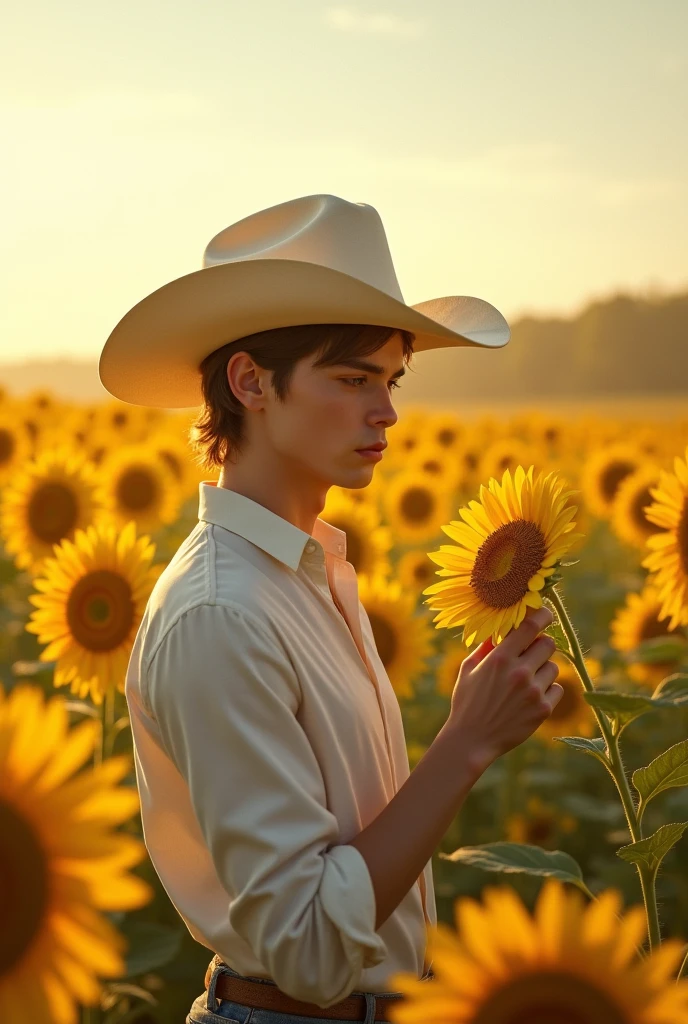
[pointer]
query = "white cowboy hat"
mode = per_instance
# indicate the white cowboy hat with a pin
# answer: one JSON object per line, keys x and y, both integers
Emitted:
{"x": 313, "y": 260}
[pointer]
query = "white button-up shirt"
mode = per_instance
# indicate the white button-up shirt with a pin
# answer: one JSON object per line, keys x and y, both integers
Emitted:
{"x": 266, "y": 736}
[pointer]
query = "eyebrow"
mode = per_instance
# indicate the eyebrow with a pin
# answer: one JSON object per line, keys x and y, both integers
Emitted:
{"x": 363, "y": 364}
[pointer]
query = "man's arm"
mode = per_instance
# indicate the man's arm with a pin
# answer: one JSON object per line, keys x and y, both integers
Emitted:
{"x": 401, "y": 840}
{"x": 225, "y": 697}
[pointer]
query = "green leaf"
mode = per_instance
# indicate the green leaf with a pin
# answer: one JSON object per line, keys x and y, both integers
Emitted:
{"x": 650, "y": 852}
{"x": 595, "y": 746}
{"x": 519, "y": 858}
{"x": 673, "y": 689}
{"x": 624, "y": 707}
{"x": 668, "y": 770}
{"x": 658, "y": 649}
{"x": 150, "y": 946}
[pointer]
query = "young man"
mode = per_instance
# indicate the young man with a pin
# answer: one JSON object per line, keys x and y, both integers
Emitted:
{"x": 276, "y": 799}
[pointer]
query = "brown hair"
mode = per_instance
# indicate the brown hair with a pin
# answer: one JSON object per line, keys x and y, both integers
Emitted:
{"x": 218, "y": 430}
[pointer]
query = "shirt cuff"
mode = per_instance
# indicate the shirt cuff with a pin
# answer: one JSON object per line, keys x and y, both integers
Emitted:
{"x": 348, "y": 898}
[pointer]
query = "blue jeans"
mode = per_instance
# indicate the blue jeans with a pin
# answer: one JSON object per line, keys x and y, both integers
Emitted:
{"x": 210, "y": 1009}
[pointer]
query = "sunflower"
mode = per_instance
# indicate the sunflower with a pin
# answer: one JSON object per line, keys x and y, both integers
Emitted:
{"x": 126, "y": 424}
{"x": 603, "y": 472}
{"x": 628, "y": 519}
{"x": 441, "y": 467}
{"x": 448, "y": 672}
{"x": 416, "y": 506}
{"x": 414, "y": 571}
{"x": 637, "y": 621}
{"x": 509, "y": 543}
{"x": 175, "y": 455}
{"x": 669, "y": 559}
{"x": 15, "y": 444}
{"x": 507, "y": 453}
{"x": 138, "y": 486}
{"x": 46, "y": 501}
{"x": 540, "y": 824}
{"x": 572, "y": 716}
{"x": 367, "y": 540}
{"x": 91, "y": 601}
{"x": 61, "y": 861}
{"x": 405, "y": 437}
{"x": 568, "y": 963}
{"x": 403, "y": 639}
{"x": 443, "y": 430}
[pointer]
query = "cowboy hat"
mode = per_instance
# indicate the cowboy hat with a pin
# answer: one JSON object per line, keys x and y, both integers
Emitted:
{"x": 313, "y": 260}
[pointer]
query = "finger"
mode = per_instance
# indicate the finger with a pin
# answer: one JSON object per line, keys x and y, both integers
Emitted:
{"x": 544, "y": 679}
{"x": 553, "y": 695}
{"x": 479, "y": 653}
{"x": 519, "y": 639}
{"x": 539, "y": 652}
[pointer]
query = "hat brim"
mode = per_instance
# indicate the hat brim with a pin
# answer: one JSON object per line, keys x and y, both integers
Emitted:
{"x": 152, "y": 356}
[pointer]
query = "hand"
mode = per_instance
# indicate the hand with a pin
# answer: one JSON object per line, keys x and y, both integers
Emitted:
{"x": 504, "y": 693}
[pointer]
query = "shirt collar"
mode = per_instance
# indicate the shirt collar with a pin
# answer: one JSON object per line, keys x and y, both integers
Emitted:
{"x": 257, "y": 524}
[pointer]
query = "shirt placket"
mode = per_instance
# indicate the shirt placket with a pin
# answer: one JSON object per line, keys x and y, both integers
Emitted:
{"x": 341, "y": 577}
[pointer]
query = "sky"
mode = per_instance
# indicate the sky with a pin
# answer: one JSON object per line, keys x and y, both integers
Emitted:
{"x": 530, "y": 153}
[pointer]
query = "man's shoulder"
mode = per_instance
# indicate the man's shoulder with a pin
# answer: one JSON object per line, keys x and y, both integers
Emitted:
{"x": 198, "y": 579}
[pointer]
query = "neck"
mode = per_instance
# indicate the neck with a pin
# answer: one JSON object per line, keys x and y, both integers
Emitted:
{"x": 282, "y": 489}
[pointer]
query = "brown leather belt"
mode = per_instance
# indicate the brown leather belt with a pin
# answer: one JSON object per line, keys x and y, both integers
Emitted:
{"x": 268, "y": 996}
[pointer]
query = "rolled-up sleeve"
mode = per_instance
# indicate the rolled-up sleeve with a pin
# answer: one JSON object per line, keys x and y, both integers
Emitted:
{"x": 225, "y": 696}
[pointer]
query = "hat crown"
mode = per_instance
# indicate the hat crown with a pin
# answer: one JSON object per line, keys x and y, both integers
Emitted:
{"x": 323, "y": 229}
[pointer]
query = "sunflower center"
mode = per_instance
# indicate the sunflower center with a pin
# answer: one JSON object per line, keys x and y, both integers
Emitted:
{"x": 651, "y": 627}
{"x": 641, "y": 500}
{"x": 539, "y": 829}
{"x": 432, "y": 466}
{"x": 52, "y": 512}
{"x": 422, "y": 572}
{"x": 385, "y": 638}
{"x": 137, "y": 489}
{"x": 173, "y": 463}
{"x": 612, "y": 476}
{"x": 550, "y": 997}
{"x": 505, "y": 562}
{"x": 570, "y": 699}
{"x": 446, "y": 437}
{"x": 682, "y": 537}
{"x": 24, "y": 887}
{"x": 470, "y": 460}
{"x": 100, "y": 610}
{"x": 7, "y": 445}
{"x": 417, "y": 504}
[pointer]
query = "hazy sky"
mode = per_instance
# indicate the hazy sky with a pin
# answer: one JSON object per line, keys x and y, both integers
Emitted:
{"x": 532, "y": 153}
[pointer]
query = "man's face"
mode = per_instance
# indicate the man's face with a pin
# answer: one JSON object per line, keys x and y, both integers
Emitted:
{"x": 331, "y": 411}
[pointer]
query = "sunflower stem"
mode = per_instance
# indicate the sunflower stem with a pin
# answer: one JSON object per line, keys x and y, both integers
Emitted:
{"x": 683, "y": 970}
{"x": 108, "y": 719}
{"x": 616, "y": 769}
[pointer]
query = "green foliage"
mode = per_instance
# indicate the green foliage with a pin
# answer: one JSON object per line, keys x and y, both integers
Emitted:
{"x": 666, "y": 771}
{"x": 151, "y": 945}
{"x": 520, "y": 858}
{"x": 624, "y": 708}
{"x": 595, "y": 746}
{"x": 649, "y": 853}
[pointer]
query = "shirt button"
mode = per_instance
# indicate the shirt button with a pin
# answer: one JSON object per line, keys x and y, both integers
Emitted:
{"x": 310, "y": 546}
{"x": 341, "y": 547}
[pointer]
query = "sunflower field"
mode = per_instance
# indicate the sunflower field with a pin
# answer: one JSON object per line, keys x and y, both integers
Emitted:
{"x": 562, "y": 884}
